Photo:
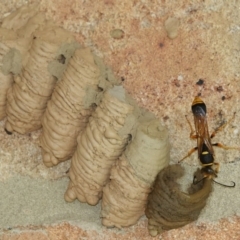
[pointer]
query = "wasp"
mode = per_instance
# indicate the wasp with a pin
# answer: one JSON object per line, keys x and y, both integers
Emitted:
{"x": 206, "y": 155}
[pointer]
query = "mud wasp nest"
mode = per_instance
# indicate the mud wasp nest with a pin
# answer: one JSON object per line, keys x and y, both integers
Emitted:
{"x": 132, "y": 176}
{"x": 5, "y": 80}
{"x": 27, "y": 98}
{"x": 13, "y": 46}
{"x": 67, "y": 112}
{"x": 99, "y": 146}
{"x": 168, "y": 207}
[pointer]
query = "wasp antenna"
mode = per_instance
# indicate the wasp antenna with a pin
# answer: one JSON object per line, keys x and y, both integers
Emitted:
{"x": 234, "y": 184}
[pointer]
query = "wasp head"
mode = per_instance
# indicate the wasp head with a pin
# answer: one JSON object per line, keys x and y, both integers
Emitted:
{"x": 208, "y": 172}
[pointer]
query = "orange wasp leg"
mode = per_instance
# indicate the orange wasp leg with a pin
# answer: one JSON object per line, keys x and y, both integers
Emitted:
{"x": 220, "y": 145}
{"x": 189, "y": 153}
{"x": 224, "y": 146}
{"x": 222, "y": 126}
{"x": 192, "y": 135}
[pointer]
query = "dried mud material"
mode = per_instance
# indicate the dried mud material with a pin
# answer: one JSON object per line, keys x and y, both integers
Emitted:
{"x": 171, "y": 26}
{"x": 125, "y": 196}
{"x": 32, "y": 88}
{"x": 15, "y": 41}
{"x": 169, "y": 207}
{"x": 70, "y": 106}
{"x": 19, "y": 18}
{"x": 6, "y": 80}
{"x": 99, "y": 146}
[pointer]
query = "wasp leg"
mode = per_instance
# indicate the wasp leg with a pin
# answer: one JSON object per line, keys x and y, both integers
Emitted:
{"x": 224, "y": 146}
{"x": 189, "y": 153}
{"x": 192, "y": 133}
{"x": 222, "y": 126}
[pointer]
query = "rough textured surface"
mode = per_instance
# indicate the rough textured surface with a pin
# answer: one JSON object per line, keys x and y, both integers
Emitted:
{"x": 124, "y": 197}
{"x": 32, "y": 88}
{"x": 149, "y": 151}
{"x": 67, "y": 114}
{"x": 99, "y": 146}
{"x": 21, "y": 154}
{"x": 13, "y": 47}
{"x": 162, "y": 75}
{"x": 132, "y": 176}
{"x": 18, "y": 19}
{"x": 225, "y": 230}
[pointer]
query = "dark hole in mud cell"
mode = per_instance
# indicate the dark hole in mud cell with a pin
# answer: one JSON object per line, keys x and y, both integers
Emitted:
{"x": 61, "y": 59}
{"x": 8, "y": 132}
{"x": 129, "y": 137}
{"x": 94, "y": 106}
{"x": 100, "y": 89}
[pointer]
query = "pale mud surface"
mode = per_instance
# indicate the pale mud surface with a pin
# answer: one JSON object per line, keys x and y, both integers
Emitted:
{"x": 28, "y": 201}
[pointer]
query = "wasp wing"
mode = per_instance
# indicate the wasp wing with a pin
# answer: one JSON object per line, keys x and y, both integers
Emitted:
{"x": 202, "y": 133}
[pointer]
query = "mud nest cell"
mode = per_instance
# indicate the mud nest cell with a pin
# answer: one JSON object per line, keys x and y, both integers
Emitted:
{"x": 169, "y": 207}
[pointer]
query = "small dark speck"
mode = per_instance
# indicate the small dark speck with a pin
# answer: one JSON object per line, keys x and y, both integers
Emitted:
{"x": 200, "y": 82}
{"x": 219, "y": 88}
{"x": 223, "y": 98}
{"x": 176, "y": 83}
{"x": 165, "y": 118}
{"x": 220, "y": 114}
{"x": 122, "y": 79}
{"x": 193, "y": 11}
{"x": 9, "y": 133}
{"x": 161, "y": 45}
